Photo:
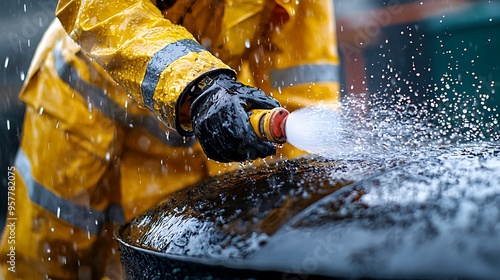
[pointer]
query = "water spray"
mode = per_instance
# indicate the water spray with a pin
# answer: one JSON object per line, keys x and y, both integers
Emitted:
{"x": 316, "y": 130}
{"x": 319, "y": 130}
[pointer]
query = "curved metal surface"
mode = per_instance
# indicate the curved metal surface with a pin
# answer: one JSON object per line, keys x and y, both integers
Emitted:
{"x": 431, "y": 214}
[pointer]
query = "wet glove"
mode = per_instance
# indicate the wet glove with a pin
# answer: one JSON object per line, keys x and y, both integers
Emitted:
{"x": 219, "y": 117}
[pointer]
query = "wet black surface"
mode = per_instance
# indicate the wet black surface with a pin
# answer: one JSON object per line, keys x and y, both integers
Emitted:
{"x": 233, "y": 215}
{"x": 427, "y": 213}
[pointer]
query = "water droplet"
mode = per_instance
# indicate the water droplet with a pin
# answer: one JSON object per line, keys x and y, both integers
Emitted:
{"x": 6, "y": 63}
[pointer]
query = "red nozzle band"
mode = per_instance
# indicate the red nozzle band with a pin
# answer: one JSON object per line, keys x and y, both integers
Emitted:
{"x": 277, "y": 122}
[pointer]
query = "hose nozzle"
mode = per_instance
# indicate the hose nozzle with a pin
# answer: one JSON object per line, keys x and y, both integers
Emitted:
{"x": 269, "y": 125}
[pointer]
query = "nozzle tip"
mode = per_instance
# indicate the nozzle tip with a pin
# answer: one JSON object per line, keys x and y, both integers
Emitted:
{"x": 277, "y": 124}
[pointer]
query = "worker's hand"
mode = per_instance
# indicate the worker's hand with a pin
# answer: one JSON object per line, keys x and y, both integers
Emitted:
{"x": 219, "y": 117}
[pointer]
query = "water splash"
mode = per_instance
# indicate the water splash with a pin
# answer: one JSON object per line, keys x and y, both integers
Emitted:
{"x": 317, "y": 130}
{"x": 346, "y": 132}
{"x": 386, "y": 128}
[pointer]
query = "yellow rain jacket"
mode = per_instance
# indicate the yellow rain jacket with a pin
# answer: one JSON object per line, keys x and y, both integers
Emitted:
{"x": 99, "y": 143}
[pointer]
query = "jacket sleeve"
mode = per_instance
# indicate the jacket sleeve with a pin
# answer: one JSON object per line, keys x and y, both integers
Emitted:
{"x": 151, "y": 58}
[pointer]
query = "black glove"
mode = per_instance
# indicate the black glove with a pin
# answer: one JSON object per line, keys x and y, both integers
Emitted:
{"x": 219, "y": 106}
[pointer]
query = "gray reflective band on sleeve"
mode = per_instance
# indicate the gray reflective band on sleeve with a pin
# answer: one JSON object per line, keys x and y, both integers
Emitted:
{"x": 304, "y": 74}
{"x": 100, "y": 100}
{"x": 82, "y": 217}
{"x": 160, "y": 61}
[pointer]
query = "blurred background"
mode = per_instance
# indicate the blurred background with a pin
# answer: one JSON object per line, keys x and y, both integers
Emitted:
{"x": 441, "y": 54}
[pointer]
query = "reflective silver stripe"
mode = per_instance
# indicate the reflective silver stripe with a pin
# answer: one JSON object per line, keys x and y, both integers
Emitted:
{"x": 304, "y": 74}
{"x": 160, "y": 60}
{"x": 82, "y": 217}
{"x": 101, "y": 101}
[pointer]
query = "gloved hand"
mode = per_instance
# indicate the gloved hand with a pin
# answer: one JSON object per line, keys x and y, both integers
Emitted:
{"x": 219, "y": 106}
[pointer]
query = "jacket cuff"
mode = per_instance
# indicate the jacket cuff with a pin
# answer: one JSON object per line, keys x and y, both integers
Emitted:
{"x": 182, "y": 109}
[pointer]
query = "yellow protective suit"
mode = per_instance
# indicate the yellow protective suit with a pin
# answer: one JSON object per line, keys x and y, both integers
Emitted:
{"x": 99, "y": 144}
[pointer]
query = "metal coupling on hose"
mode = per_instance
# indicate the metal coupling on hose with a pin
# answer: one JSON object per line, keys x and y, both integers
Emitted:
{"x": 270, "y": 124}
